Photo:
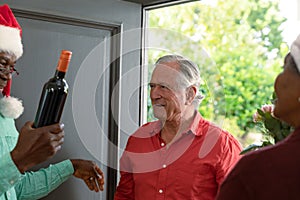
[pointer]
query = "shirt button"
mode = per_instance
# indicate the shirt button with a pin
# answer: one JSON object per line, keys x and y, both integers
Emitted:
{"x": 160, "y": 191}
{"x": 162, "y": 144}
{"x": 164, "y": 166}
{"x": 11, "y": 182}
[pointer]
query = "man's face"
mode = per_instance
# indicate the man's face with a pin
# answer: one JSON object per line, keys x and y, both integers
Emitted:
{"x": 7, "y": 63}
{"x": 167, "y": 95}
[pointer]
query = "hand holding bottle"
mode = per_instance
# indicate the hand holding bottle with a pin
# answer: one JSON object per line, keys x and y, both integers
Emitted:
{"x": 36, "y": 145}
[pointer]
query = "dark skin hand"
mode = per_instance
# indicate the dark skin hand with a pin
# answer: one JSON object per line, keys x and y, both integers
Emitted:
{"x": 90, "y": 173}
{"x": 36, "y": 145}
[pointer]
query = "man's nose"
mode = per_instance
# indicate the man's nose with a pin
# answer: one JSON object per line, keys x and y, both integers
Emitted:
{"x": 155, "y": 93}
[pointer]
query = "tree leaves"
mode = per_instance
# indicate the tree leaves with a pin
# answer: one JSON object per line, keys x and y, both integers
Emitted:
{"x": 243, "y": 39}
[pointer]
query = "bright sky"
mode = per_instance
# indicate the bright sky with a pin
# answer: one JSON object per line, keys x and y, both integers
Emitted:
{"x": 289, "y": 9}
{"x": 291, "y": 28}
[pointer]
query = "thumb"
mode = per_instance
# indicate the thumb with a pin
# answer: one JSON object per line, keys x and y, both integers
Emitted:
{"x": 27, "y": 127}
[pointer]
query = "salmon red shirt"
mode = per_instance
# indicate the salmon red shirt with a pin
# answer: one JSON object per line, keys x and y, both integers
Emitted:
{"x": 191, "y": 167}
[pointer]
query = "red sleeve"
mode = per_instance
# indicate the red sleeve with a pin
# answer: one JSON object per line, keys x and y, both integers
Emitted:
{"x": 125, "y": 189}
{"x": 230, "y": 154}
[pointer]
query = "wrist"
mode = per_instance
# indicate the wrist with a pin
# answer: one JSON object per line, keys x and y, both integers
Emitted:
{"x": 74, "y": 163}
{"x": 18, "y": 160}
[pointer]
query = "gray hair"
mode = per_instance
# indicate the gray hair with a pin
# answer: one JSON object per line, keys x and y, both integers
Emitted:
{"x": 7, "y": 52}
{"x": 190, "y": 72}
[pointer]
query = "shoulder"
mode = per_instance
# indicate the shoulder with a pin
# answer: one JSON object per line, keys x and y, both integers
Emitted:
{"x": 219, "y": 143}
{"x": 147, "y": 130}
{"x": 223, "y": 137}
{"x": 7, "y": 127}
{"x": 206, "y": 128}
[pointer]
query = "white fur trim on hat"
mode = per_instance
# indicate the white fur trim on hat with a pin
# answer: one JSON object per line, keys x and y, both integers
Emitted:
{"x": 10, "y": 40}
{"x": 11, "y": 107}
{"x": 295, "y": 52}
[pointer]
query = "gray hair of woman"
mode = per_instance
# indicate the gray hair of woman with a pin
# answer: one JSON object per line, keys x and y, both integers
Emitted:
{"x": 190, "y": 74}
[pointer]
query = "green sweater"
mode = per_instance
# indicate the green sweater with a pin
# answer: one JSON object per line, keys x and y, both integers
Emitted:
{"x": 30, "y": 185}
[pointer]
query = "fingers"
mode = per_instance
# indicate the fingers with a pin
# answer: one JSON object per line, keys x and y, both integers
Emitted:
{"x": 96, "y": 182}
{"x": 49, "y": 140}
{"x": 57, "y": 142}
{"x": 54, "y": 128}
{"x": 90, "y": 184}
{"x": 100, "y": 178}
{"x": 55, "y": 133}
{"x": 58, "y": 137}
{"x": 98, "y": 172}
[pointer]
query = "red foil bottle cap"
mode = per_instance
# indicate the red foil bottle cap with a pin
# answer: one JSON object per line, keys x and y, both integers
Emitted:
{"x": 64, "y": 60}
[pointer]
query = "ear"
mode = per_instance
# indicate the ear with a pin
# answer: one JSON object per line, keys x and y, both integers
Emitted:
{"x": 190, "y": 94}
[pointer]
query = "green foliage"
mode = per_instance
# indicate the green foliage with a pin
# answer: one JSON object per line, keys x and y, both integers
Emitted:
{"x": 272, "y": 128}
{"x": 243, "y": 40}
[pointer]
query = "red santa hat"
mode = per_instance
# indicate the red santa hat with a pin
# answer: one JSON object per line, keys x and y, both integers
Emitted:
{"x": 10, "y": 37}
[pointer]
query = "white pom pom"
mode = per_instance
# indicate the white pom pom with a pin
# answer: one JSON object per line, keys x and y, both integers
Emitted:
{"x": 11, "y": 107}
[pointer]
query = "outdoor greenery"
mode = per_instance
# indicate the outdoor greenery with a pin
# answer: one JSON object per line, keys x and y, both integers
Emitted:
{"x": 273, "y": 129}
{"x": 239, "y": 48}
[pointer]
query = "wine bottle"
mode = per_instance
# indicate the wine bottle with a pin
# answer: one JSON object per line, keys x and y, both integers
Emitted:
{"x": 54, "y": 94}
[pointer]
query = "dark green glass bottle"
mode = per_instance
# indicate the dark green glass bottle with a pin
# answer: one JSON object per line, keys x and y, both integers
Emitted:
{"x": 54, "y": 94}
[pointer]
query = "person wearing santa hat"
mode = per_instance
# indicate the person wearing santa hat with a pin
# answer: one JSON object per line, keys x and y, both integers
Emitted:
{"x": 21, "y": 151}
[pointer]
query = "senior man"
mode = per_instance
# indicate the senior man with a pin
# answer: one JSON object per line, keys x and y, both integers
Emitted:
{"x": 182, "y": 155}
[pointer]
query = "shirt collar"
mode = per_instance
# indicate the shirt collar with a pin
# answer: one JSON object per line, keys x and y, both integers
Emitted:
{"x": 194, "y": 127}
{"x": 156, "y": 127}
{"x": 195, "y": 123}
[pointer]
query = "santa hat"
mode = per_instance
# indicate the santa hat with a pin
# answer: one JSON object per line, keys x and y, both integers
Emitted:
{"x": 11, "y": 42}
{"x": 295, "y": 52}
{"x": 10, "y": 37}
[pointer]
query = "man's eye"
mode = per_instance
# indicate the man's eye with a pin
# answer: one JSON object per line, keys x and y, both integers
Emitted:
{"x": 164, "y": 87}
{"x": 151, "y": 85}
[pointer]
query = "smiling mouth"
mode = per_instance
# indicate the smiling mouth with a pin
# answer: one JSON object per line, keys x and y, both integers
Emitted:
{"x": 158, "y": 105}
{"x": 2, "y": 83}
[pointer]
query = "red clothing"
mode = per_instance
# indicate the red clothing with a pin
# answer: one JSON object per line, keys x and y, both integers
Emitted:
{"x": 191, "y": 167}
{"x": 270, "y": 173}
